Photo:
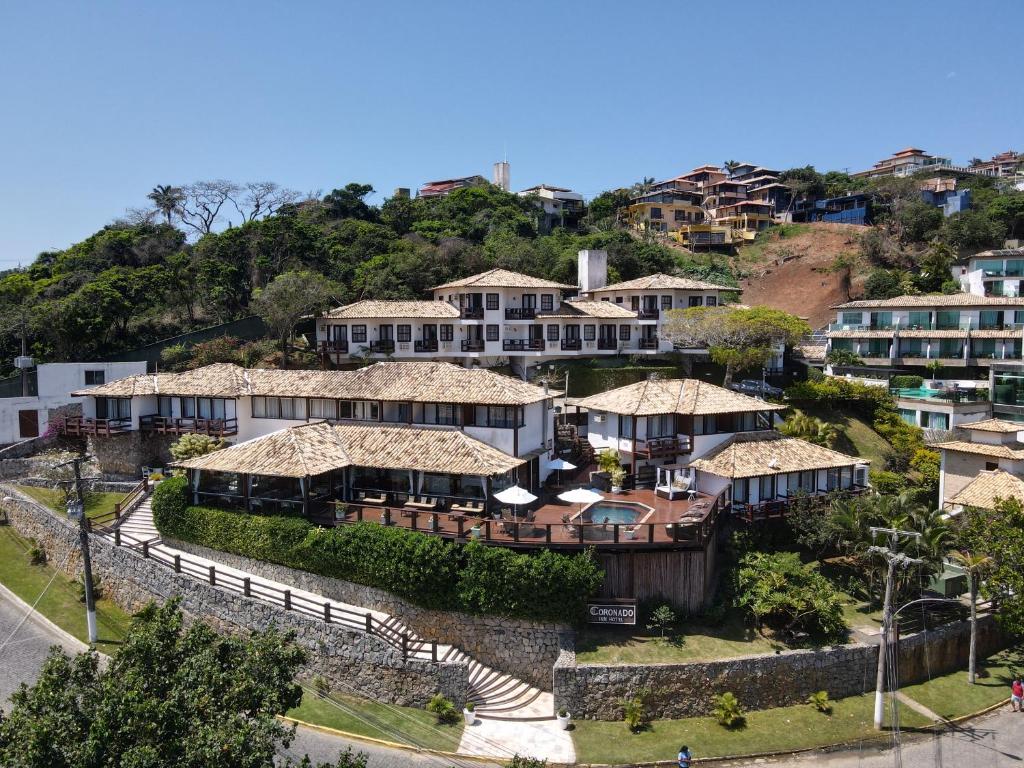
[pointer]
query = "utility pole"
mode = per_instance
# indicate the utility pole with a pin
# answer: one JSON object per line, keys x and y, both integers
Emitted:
{"x": 894, "y": 559}
{"x": 77, "y": 510}
{"x": 24, "y": 353}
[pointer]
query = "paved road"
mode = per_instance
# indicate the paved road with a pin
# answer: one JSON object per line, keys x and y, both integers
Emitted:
{"x": 993, "y": 741}
{"x": 24, "y": 647}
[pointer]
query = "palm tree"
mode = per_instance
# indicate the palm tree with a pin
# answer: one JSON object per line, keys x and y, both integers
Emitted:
{"x": 731, "y": 166}
{"x": 642, "y": 187}
{"x": 974, "y": 564}
{"x": 166, "y": 198}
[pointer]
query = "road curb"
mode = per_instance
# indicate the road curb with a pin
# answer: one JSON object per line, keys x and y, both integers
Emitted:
{"x": 384, "y": 743}
{"x": 37, "y": 616}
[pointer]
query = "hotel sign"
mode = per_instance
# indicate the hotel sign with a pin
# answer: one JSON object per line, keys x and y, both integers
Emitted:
{"x": 612, "y": 612}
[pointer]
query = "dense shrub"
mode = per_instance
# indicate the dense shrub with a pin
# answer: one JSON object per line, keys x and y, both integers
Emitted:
{"x": 426, "y": 570}
{"x": 906, "y": 382}
{"x": 781, "y": 592}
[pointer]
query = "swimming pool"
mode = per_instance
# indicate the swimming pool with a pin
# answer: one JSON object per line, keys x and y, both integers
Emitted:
{"x": 616, "y": 512}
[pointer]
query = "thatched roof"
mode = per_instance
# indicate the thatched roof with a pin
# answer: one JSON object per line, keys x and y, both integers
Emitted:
{"x": 312, "y": 449}
{"x": 503, "y": 278}
{"x": 393, "y": 309}
{"x": 752, "y": 454}
{"x": 988, "y": 486}
{"x": 661, "y": 281}
{"x": 425, "y": 382}
{"x": 683, "y": 396}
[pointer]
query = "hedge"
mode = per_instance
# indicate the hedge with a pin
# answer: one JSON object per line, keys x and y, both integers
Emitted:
{"x": 426, "y": 570}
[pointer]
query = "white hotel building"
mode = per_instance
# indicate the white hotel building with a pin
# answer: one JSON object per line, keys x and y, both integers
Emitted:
{"x": 500, "y": 316}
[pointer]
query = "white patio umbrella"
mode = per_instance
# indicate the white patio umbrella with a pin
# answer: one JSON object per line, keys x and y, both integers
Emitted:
{"x": 515, "y": 496}
{"x": 558, "y": 465}
{"x": 581, "y": 496}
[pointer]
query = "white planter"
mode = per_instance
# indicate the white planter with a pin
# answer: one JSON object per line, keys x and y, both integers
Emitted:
{"x": 563, "y": 722}
{"x": 616, "y": 489}
{"x": 469, "y": 716}
{"x": 474, "y": 532}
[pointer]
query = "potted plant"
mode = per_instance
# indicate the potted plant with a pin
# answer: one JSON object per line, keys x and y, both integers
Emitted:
{"x": 468, "y": 713}
{"x": 564, "y": 718}
{"x": 474, "y": 532}
{"x": 618, "y": 478}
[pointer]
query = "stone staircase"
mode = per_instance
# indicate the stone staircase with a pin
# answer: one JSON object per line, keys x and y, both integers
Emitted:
{"x": 496, "y": 695}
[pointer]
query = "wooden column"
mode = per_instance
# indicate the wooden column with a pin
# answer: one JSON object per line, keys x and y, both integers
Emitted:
{"x": 633, "y": 466}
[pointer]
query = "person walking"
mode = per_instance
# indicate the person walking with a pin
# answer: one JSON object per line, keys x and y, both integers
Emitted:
{"x": 684, "y": 757}
{"x": 1016, "y": 694}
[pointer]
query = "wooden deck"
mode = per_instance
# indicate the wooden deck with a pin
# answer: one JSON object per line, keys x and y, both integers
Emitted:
{"x": 678, "y": 523}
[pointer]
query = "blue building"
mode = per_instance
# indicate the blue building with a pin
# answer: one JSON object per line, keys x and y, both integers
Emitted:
{"x": 847, "y": 209}
{"x": 942, "y": 193}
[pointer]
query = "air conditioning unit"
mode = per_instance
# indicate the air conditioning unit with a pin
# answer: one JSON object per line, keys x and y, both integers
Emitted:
{"x": 599, "y": 418}
{"x": 23, "y": 361}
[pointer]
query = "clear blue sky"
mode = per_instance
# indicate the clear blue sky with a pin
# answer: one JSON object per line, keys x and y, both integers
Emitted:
{"x": 100, "y": 101}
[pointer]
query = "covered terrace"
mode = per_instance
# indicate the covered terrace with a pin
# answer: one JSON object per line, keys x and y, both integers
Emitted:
{"x": 302, "y": 469}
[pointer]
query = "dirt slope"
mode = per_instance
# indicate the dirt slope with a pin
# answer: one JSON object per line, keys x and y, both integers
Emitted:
{"x": 802, "y": 273}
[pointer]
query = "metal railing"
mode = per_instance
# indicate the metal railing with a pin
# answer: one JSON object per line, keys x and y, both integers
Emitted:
{"x": 426, "y": 345}
{"x": 334, "y": 345}
{"x": 572, "y": 344}
{"x": 471, "y": 313}
{"x": 649, "y": 343}
{"x": 647, "y": 314}
{"x": 329, "y": 613}
{"x": 472, "y": 345}
{"x": 385, "y": 346}
{"x": 606, "y": 343}
{"x": 522, "y": 345}
{"x": 776, "y": 509}
{"x": 520, "y": 313}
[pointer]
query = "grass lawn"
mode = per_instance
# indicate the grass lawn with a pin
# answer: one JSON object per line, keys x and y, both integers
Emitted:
{"x": 952, "y": 696}
{"x": 858, "y": 613}
{"x": 610, "y": 645}
{"x": 60, "y": 604}
{"x": 858, "y": 438}
{"x": 379, "y": 721}
{"x": 98, "y": 503}
{"x": 785, "y": 728}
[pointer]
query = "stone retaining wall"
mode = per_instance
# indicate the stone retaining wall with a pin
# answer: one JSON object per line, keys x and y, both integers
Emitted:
{"x": 522, "y": 648}
{"x": 349, "y": 659}
{"x": 596, "y": 691}
{"x": 121, "y": 456}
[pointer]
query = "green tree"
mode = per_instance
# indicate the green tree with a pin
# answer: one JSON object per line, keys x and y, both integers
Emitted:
{"x": 933, "y": 269}
{"x": 170, "y": 696}
{"x": 193, "y": 446}
{"x": 882, "y": 284}
{"x": 809, "y": 428}
{"x": 349, "y": 202}
{"x": 166, "y": 199}
{"x": 739, "y": 339}
{"x": 288, "y": 298}
{"x": 972, "y": 230}
{"x": 998, "y": 534}
{"x": 974, "y": 565}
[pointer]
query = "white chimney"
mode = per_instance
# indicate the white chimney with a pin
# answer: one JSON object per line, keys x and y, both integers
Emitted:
{"x": 592, "y": 270}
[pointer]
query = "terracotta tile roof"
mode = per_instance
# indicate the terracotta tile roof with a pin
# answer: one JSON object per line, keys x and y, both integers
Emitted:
{"x": 661, "y": 281}
{"x": 951, "y": 333}
{"x": 427, "y": 382}
{"x": 313, "y": 449}
{"x": 582, "y": 308}
{"x": 982, "y": 449}
{"x": 373, "y": 309}
{"x": 987, "y": 487}
{"x": 991, "y": 333}
{"x": 810, "y": 351}
{"x": 995, "y": 425}
{"x": 503, "y": 278}
{"x": 751, "y": 454}
{"x": 936, "y": 300}
{"x": 684, "y": 396}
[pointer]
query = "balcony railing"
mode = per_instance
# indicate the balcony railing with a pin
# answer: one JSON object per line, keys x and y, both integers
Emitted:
{"x": 663, "y": 446}
{"x": 169, "y": 425}
{"x": 472, "y": 345}
{"x": 777, "y": 509}
{"x": 606, "y": 343}
{"x": 471, "y": 313}
{"x": 522, "y": 345}
{"x": 426, "y": 345}
{"x": 384, "y": 346}
{"x": 647, "y": 314}
{"x": 334, "y": 345}
{"x": 571, "y": 344}
{"x": 520, "y": 313}
{"x": 647, "y": 343}
{"x": 78, "y": 426}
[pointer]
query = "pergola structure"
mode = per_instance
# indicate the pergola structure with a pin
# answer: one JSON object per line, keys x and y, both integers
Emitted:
{"x": 302, "y": 468}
